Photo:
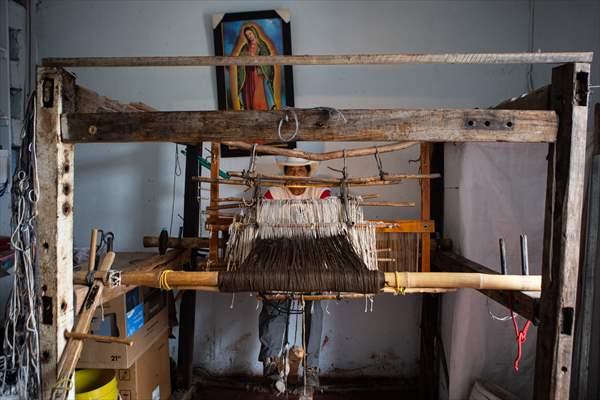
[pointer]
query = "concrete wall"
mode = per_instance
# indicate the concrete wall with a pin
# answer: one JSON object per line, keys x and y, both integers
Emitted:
{"x": 127, "y": 188}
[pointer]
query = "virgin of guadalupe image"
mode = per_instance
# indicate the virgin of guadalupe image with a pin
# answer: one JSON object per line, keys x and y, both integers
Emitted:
{"x": 254, "y": 87}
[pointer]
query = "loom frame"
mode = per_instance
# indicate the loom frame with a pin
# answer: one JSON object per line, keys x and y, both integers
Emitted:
{"x": 564, "y": 105}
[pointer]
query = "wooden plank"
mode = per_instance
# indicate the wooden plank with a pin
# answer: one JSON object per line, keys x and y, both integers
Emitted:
{"x": 55, "y": 167}
{"x": 539, "y": 99}
{"x": 438, "y": 125}
{"x": 425, "y": 205}
{"x": 340, "y": 59}
{"x": 560, "y": 262}
{"x": 187, "y": 308}
{"x": 406, "y": 226}
{"x": 524, "y": 304}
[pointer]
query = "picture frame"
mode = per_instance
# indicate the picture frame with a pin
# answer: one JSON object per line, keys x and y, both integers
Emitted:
{"x": 264, "y": 87}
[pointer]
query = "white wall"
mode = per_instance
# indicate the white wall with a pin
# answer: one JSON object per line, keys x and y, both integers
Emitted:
{"x": 127, "y": 188}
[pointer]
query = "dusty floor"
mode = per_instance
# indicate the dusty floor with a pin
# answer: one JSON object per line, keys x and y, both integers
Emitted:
{"x": 333, "y": 390}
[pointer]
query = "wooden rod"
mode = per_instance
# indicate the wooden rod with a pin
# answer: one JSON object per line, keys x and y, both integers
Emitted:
{"x": 227, "y": 199}
{"x": 332, "y": 155}
{"x": 334, "y": 181}
{"x": 177, "y": 243}
{"x": 98, "y": 338}
{"x": 387, "y": 203}
{"x": 192, "y": 279}
{"x": 92, "y": 253}
{"x": 224, "y": 207}
{"x": 333, "y": 59}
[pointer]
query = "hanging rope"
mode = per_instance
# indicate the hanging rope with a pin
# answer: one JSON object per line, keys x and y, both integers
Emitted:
{"x": 521, "y": 336}
{"x": 286, "y": 119}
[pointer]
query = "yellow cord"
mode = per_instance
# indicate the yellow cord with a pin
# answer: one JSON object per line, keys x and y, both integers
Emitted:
{"x": 399, "y": 290}
{"x": 162, "y": 280}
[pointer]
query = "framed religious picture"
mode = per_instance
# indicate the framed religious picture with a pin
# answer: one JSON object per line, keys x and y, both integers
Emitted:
{"x": 263, "y": 87}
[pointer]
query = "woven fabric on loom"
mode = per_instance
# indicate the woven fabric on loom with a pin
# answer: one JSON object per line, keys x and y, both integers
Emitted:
{"x": 302, "y": 246}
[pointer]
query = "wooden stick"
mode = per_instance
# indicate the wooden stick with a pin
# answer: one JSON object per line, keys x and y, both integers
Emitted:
{"x": 337, "y": 59}
{"x": 92, "y": 253}
{"x": 235, "y": 199}
{"x": 72, "y": 351}
{"x": 387, "y": 203}
{"x": 98, "y": 338}
{"x": 334, "y": 181}
{"x": 224, "y": 207}
{"x": 177, "y": 243}
{"x": 192, "y": 279}
{"x": 332, "y": 155}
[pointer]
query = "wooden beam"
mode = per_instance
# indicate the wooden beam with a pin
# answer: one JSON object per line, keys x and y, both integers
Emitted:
{"x": 524, "y": 304}
{"x": 340, "y": 59}
{"x": 187, "y": 308}
{"x": 562, "y": 231}
{"x": 539, "y": 99}
{"x": 437, "y": 125}
{"x": 55, "y": 167}
{"x": 88, "y": 101}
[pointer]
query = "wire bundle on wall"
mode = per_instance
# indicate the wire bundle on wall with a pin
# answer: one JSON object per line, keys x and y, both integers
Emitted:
{"x": 20, "y": 361}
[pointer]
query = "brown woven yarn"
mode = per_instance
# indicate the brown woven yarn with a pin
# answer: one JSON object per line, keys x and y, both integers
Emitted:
{"x": 302, "y": 264}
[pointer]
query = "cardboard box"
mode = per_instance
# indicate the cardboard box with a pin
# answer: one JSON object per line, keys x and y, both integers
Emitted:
{"x": 149, "y": 378}
{"x": 139, "y": 315}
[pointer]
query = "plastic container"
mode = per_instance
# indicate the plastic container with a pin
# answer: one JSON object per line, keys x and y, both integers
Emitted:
{"x": 96, "y": 384}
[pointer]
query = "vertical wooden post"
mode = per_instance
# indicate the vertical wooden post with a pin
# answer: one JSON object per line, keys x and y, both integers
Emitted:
{"x": 425, "y": 206}
{"x": 55, "y": 167}
{"x": 187, "y": 309}
{"x": 215, "y": 164}
{"x": 429, "y": 365}
{"x": 560, "y": 262}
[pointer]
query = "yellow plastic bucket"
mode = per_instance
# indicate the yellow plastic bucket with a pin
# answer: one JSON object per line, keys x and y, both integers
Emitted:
{"x": 96, "y": 384}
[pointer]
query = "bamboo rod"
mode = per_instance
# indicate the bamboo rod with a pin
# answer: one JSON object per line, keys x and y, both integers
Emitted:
{"x": 98, "y": 338}
{"x": 393, "y": 280}
{"x": 271, "y": 183}
{"x": 332, "y": 155}
{"x": 325, "y": 59}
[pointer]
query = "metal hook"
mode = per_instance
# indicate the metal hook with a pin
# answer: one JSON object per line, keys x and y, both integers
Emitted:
{"x": 286, "y": 119}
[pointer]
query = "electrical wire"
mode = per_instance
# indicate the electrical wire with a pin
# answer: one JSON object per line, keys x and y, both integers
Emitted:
{"x": 20, "y": 372}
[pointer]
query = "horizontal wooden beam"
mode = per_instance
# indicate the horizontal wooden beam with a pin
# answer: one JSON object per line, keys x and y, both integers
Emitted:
{"x": 339, "y": 59}
{"x": 438, "y": 125}
{"x": 538, "y": 99}
{"x": 524, "y": 304}
{"x": 405, "y": 226}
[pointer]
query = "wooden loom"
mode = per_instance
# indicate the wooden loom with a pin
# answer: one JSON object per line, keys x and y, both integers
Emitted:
{"x": 556, "y": 114}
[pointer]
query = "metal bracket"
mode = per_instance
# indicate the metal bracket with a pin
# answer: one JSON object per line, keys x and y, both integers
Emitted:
{"x": 490, "y": 124}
